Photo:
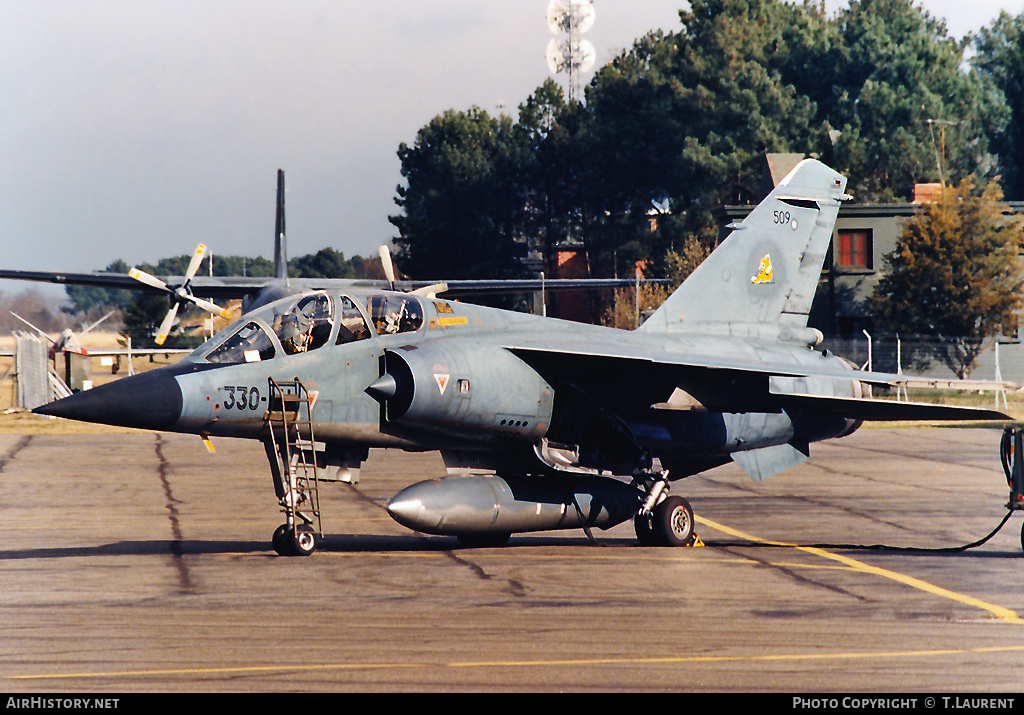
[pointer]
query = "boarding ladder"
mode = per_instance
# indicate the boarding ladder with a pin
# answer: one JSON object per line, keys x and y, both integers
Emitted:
{"x": 289, "y": 417}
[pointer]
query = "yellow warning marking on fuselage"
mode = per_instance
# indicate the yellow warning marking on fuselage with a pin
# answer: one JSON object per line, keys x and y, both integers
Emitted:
{"x": 1000, "y": 612}
{"x": 454, "y": 320}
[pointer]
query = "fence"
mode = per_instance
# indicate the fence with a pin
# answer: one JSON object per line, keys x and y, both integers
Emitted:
{"x": 919, "y": 355}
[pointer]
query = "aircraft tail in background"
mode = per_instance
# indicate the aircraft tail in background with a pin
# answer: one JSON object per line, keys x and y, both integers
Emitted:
{"x": 280, "y": 240}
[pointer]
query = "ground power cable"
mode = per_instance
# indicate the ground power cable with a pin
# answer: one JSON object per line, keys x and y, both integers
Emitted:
{"x": 1010, "y": 438}
{"x": 919, "y": 549}
{"x": 870, "y": 547}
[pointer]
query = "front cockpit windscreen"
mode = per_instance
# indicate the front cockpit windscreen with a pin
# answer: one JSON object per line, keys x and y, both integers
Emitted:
{"x": 249, "y": 344}
{"x": 394, "y": 313}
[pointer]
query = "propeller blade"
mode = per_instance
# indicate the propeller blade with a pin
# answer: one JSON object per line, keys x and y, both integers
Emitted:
{"x": 193, "y": 266}
{"x": 430, "y": 291}
{"x": 149, "y": 280}
{"x": 389, "y": 268}
{"x": 165, "y": 327}
{"x": 211, "y": 307}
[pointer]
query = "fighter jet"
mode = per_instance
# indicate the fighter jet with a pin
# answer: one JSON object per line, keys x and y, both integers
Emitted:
{"x": 543, "y": 424}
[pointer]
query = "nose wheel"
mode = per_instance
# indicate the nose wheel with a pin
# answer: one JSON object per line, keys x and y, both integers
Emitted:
{"x": 298, "y": 540}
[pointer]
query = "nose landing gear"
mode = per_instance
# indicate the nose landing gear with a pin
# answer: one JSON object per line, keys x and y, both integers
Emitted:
{"x": 290, "y": 448}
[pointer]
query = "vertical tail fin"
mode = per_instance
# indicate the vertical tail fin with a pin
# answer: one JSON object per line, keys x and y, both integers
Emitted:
{"x": 280, "y": 247}
{"x": 767, "y": 270}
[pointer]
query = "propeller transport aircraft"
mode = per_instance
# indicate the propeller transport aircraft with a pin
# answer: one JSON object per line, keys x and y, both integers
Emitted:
{"x": 543, "y": 424}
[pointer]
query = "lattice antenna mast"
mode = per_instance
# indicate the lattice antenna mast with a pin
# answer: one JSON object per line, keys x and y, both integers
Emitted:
{"x": 571, "y": 54}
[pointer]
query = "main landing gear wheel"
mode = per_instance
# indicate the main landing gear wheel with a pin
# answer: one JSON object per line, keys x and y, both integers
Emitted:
{"x": 669, "y": 524}
{"x": 298, "y": 541}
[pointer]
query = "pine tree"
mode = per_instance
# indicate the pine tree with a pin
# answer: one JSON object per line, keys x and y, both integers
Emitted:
{"x": 464, "y": 198}
{"x": 1000, "y": 60}
{"x": 897, "y": 69}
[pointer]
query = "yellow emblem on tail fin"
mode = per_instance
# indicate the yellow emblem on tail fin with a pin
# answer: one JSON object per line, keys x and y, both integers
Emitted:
{"x": 764, "y": 274}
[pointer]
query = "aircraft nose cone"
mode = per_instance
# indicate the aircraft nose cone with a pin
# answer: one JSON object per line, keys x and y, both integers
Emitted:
{"x": 151, "y": 400}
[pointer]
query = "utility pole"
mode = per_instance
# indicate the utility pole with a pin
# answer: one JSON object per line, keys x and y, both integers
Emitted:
{"x": 940, "y": 154}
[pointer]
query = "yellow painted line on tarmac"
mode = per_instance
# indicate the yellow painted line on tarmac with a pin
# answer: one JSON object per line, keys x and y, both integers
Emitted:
{"x": 746, "y": 658}
{"x": 541, "y": 663}
{"x": 999, "y": 612}
{"x": 241, "y": 670}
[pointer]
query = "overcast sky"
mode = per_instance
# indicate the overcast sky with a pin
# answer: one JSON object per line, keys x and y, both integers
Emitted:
{"x": 135, "y": 129}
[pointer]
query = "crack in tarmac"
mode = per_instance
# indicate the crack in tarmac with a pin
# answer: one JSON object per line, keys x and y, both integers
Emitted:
{"x": 13, "y": 451}
{"x": 177, "y": 552}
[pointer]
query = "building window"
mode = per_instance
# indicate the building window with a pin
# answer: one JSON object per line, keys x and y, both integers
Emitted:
{"x": 854, "y": 249}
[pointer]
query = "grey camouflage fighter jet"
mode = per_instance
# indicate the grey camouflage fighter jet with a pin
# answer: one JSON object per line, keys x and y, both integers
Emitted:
{"x": 547, "y": 424}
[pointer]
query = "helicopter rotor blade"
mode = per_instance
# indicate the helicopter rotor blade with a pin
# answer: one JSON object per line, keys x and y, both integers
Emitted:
{"x": 86, "y": 330}
{"x": 33, "y": 327}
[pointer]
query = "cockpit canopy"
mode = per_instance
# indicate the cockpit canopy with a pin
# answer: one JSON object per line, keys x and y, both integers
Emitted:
{"x": 307, "y": 322}
{"x": 394, "y": 313}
